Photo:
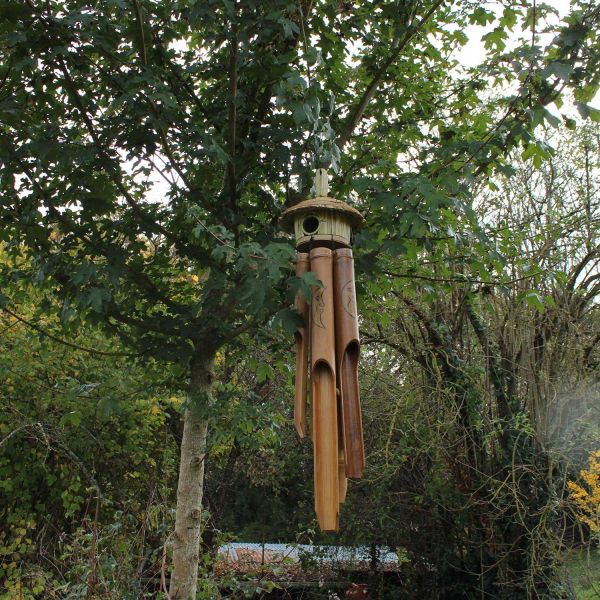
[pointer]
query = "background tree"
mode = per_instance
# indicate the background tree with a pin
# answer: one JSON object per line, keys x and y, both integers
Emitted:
{"x": 88, "y": 464}
{"x": 491, "y": 389}
{"x": 218, "y": 100}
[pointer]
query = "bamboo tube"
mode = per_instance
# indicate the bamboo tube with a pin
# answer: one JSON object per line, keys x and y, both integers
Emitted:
{"x": 347, "y": 351}
{"x": 302, "y": 266}
{"x": 342, "y": 479}
{"x": 324, "y": 399}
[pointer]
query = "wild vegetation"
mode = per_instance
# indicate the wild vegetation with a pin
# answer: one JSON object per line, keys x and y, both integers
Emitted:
{"x": 147, "y": 151}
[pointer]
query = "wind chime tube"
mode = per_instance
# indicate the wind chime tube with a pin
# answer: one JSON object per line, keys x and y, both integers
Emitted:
{"x": 324, "y": 398}
{"x": 342, "y": 479}
{"x": 347, "y": 351}
{"x": 302, "y": 266}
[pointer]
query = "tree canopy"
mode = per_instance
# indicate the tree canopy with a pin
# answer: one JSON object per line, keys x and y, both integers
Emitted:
{"x": 148, "y": 150}
{"x": 224, "y": 103}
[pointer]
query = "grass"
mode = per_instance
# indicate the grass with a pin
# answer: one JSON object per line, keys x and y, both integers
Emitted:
{"x": 584, "y": 566}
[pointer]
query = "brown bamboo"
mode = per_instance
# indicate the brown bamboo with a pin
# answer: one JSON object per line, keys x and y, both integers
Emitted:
{"x": 324, "y": 400}
{"x": 347, "y": 352}
{"x": 302, "y": 266}
{"x": 342, "y": 479}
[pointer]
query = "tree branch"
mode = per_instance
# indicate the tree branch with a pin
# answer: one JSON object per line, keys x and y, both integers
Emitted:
{"x": 140, "y": 25}
{"x": 358, "y": 112}
{"x": 61, "y": 341}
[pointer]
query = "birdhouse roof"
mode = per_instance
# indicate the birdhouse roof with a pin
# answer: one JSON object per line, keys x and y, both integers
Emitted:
{"x": 321, "y": 203}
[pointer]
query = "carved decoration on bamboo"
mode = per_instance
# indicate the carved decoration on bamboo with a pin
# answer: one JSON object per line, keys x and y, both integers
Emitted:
{"x": 327, "y": 347}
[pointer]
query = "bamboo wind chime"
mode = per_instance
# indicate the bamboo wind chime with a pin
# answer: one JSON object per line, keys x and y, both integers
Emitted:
{"x": 327, "y": 347}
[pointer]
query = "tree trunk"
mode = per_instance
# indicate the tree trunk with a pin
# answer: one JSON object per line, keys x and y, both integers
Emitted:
{"x": 186, "y": 539}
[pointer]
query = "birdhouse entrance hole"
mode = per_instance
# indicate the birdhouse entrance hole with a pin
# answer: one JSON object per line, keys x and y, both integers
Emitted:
{"x": 310, "y": 225}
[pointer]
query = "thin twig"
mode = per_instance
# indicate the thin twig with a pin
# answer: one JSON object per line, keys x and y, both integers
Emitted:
{"x": 163, "y": 569}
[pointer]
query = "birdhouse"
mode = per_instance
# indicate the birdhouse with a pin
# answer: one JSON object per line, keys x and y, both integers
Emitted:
{"x": 322, "y": 221}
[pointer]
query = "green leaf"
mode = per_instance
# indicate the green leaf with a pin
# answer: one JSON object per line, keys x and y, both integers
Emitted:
{"x": 534, "y": 300}
{"x": 495, "y": 39}
{"x": 561, "y": 70}
{"x": 96, "y": 298}
{"x": 310, "y": 279}
{"x": 290, "y": 28}
{"x": 71, "y": 418}
{"x": 253, "y": 294}
{"x": 264, "y": 372}
{"x": 588, "y": 112}
{"x": 552, "y": 119}
{"x": 289, "y": 320}
{"x": 509, "y": 18}
{"x": 481, "y": 16}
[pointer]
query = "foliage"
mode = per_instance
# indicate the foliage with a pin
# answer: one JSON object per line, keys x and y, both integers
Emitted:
{"x": 215, "y": 100}
{"x": 87, "y": 465}
{"x": 229, "y": 105}
{"x": 253, "y": 448}
{"x": 421, "y": 493}
{"x": 484, "y": 396}
{"x": 587, "y": 495}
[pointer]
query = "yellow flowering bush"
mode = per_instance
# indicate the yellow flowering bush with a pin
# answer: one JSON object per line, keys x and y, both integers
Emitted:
{"x": 587, "y": 496}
